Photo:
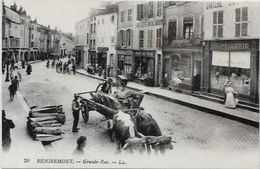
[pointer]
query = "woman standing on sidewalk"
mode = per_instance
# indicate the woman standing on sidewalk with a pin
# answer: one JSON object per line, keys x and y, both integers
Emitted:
{"x": 231, "y": 97}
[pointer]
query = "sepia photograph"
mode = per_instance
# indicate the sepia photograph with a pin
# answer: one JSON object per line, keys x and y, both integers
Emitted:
{"x": 130, "y": 84}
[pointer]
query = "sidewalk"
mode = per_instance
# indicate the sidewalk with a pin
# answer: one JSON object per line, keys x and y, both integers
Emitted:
{"x": 238, "y": 114}
{"x": 17, "y": 111}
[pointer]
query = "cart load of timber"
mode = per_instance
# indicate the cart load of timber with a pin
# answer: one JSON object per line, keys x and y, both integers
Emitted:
{"x": 44, "y": 123}
{"x": 109, "y": 105}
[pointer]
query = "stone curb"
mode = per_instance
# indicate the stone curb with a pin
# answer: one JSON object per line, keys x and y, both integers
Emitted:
{"x": 194, "y": 106}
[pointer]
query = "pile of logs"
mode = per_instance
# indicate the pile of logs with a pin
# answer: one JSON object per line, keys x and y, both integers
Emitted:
{"x": 44, "y": 123}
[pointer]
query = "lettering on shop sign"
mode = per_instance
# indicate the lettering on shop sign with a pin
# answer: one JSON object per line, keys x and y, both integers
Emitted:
{"x": 149, "y": 23}
{"x": 212, "y": 5}
{"x": 144, "y": 54}
{"x": 233, "y": 46}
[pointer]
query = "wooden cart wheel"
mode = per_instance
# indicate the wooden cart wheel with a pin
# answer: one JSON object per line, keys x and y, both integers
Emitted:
{"x": 84, "y": 111}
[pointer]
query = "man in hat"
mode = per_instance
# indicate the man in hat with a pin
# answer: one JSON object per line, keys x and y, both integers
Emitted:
{"x": 6, "y": 126}
{"x": 75, "y": 111}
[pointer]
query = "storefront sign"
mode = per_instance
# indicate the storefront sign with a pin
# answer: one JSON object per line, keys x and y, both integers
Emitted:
{"x": 149, "y": 23}
{"x": 212, "y": 5}
{"x": 231, "y": 46}
{"x": 144, "y": 54}
{"x": 102, "y": 49}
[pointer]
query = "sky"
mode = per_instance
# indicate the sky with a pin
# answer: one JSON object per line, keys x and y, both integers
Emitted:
{"x": 62, "y": 14}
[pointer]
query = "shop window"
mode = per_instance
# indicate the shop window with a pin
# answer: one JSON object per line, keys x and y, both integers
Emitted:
{"x": 181, "y": 70}
{"x": 187, "y": 27}
{"x": 127, "y": 64}
{"x": 141, "y": 39}
{"x": 233, "y": 66}
{"x": 159, "y": 8}
{"x": 129, "y": 18}
{"x": 122, "y": 16}
{"x": 144, "y": 68}
{"x": 158, "y": 38}
{"x": 149, "y": 38}
{"x": 218, "y": 22}
{"x": 241, "y": 22}
{"x": 172, "y": 30}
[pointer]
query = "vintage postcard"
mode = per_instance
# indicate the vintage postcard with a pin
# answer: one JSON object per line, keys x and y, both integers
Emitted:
{"x": 130, "y": 84}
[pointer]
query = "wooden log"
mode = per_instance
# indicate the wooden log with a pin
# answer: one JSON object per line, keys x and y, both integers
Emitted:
{"x": 46, "y": 125}
{"x": 38, "y": 119}
{"x": 50, "y": 138}
{"x": 48, "y": 130}
{"x": 42, "y": 114}
{"x": 46, "y": 122}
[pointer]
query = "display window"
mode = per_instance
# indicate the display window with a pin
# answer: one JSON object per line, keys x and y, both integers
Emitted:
{"x": 233, "y": 66}
{"x": 144, "y": 67}
{"x": 180, "y": 69}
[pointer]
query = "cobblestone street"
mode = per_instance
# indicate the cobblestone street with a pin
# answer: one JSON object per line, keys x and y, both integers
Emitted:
{"x": 201, "y": 138}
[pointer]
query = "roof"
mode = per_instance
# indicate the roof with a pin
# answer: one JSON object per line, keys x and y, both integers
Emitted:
{"x": 12, "y": 15}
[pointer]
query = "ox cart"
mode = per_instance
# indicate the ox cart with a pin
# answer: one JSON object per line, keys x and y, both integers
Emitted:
{"x": 108, "y": 105}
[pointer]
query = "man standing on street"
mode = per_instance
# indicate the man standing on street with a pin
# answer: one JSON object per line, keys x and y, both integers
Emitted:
{"x": 75, "y": 111}
{"x": 6, "y": 126}
{"x": 15, "y": 82}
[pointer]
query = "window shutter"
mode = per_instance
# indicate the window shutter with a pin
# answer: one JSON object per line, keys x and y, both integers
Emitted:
{"x": 131, "y": 37}
{"x": 138, "y": 12}
{"x": 146, "y": 11}
{"x": 150, "y": 9}
{"x": 214, "y": 17}
{"x": 124, "y": 38}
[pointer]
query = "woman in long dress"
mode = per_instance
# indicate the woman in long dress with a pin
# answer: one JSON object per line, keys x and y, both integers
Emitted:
{"x": 231, "y": 100}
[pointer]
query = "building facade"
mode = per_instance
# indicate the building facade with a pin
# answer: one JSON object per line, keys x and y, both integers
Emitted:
{"x": 10, "y": 33}
{"x": 24, "y": 35}
{"x": 82, "y": 41}
{"x": 140, "y": 40}
{"x": 182, "y": 48}
{"x": 232, "y": 48}
{"x": 106, "y": 42}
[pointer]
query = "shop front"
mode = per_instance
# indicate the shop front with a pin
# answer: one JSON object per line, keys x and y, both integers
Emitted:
{"x": 144, "y": 67}
{"x": 184, "y": 68}
{"x": 125, "y": 63}
{"x": 102, "y": 57}
{"x": 236, "y": 61}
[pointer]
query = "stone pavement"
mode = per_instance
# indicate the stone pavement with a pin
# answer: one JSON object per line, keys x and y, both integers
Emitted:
{"x": 238, "y": 114}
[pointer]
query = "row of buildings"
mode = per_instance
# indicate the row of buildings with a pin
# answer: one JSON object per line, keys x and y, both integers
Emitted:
{"x": 25, "y": 39}
{"x": 197, "y": 46}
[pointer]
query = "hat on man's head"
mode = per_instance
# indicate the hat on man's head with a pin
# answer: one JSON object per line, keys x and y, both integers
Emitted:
{"x": 81, "y": 140}
{"x": 76, "y": 95}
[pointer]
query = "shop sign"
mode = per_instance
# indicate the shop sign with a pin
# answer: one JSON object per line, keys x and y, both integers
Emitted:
{"x": 144, "y": 54}
{"x": 231, "y": 46}
{"x": 149, "y": 23}
{"x": 102, "y": 49}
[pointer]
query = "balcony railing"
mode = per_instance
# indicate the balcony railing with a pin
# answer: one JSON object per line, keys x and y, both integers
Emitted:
{"x": 178, "y": 43}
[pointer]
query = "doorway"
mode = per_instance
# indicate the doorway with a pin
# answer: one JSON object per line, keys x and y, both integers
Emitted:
{"x": 196, "y": 75}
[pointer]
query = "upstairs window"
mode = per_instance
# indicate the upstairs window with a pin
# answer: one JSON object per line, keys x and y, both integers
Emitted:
{"x": 122, "y": 15}
{"x": 150, "y": 9}
{"x": 150, "y": 38}
{"x": 141, "y": 39}
{"x": 129, "y": 37}
{"x": 187, "y": 27}
{"x": 172, "y": 30}
{"x": 129, "y": 14}
{"x": 140, "y": 11}
{"x": 159, "y": 8}
{"x": 241, "y": 22}
{"x": 158, "y": 38}
{"x": 218, "y": 22}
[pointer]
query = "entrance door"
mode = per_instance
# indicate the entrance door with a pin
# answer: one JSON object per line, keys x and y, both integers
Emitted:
{"x": 196, "y": 75}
